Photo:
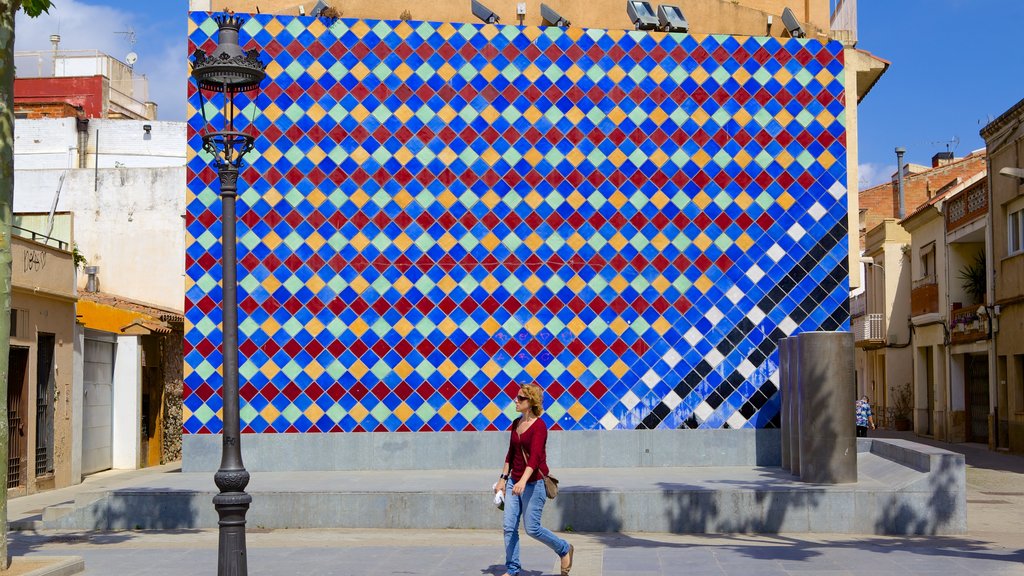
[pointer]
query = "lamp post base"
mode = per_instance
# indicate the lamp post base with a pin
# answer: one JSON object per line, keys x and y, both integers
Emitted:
{"x": 231, "y": 553}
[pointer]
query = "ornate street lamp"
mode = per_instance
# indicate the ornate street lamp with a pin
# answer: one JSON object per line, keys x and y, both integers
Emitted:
{"x": 229, "y": 72}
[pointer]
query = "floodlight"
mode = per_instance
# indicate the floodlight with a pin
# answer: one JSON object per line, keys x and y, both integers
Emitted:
{"x": 671, "y": 19}
{"x": 641, "y": 15}
{"x": 1012, "y": 172}
{"x": 792, "y": 24}
{"x": 484, "y": 13}
{"x": 553, "y": 18}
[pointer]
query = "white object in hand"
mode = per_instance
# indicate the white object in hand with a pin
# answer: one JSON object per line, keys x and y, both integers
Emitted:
{"x": 499, "y": 496}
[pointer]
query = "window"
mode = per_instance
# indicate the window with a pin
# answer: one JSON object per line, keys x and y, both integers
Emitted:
{"x": 1015, "y": 232}
{"x": 928, "y": 260}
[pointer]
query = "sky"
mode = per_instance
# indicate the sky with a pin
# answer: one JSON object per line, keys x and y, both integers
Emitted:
{"x": 956, "y": 65}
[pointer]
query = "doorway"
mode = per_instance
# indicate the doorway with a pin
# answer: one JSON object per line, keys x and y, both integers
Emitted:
{"x": 976, "y": 397}
{"x": 45, "y": 387}
{"x": 17, "y": 406}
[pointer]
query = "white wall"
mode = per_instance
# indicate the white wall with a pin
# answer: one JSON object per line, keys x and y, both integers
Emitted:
{"x": 131, "y": 226}
{"x": 127, "y": 402}
{"x": 53, "y": 143}
{"x": 128, "y": 220}
{"x": 77, "y": 394}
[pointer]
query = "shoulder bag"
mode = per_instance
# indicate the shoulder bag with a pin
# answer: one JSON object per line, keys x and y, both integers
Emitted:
{"x": 550, "y": 482}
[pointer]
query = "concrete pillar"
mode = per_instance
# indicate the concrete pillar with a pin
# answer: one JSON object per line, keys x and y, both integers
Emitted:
{"x": 828, "y": 443}
{"x": 793, "y": 433}
{"x": 784, "y": 391}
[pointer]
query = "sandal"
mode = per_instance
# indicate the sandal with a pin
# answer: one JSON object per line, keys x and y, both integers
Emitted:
{"x": 567, "y": 567}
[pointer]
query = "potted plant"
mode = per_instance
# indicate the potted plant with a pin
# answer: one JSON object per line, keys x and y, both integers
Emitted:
{"x": 902, "y": 406}
{"x": 973, "y": 277}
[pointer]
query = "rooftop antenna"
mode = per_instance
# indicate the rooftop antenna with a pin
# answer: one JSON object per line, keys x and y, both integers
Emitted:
{"x": 954, "y": 141}
{"x": 131, "y": 58}
{"x": 129, "y": 35}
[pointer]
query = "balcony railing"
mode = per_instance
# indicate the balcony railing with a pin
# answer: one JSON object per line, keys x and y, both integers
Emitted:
{"x": 966, "y": 325}
{"x": 924, "y": 298}
{"x": 869, "y": 331}
{"x": 965, "y": 208}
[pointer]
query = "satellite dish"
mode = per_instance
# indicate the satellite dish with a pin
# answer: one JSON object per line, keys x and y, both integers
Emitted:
{"x": 131, "y": 58}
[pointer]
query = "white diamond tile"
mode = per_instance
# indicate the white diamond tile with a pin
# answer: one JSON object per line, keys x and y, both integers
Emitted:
{"x": 703, "y": 411}
{"x": 776, "y": 253}
{"x": 787, "y": 325}
{"x": 693, "y": 336}
{"x": 714, "y": 315}
{"x": 817, "y": 211}
{"x": 796, "y": 232}
{"x": 755, "y": 273}
{"x": 734, "y": 294}
{"x": 672, "y": 400}
{"x": 671, "y": 358}
{"x": 630, "y": 400}
{"x": 736, "y": 420}
{"x": 714, "y": 358}
{"x": 609, "y": 422}
{"x": 651, "y": 378}
{"x": 746, "y": 368}
{"x": 755, "y": 315}
{"x": 837, "y": 190}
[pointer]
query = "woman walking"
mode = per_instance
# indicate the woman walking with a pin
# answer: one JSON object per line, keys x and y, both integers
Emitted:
{"x": 522, "y": 478}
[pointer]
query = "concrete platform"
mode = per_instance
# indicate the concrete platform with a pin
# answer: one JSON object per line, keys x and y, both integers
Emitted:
{"x": 902, "y": 488}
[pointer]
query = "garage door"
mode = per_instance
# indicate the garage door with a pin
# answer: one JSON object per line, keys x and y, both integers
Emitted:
{"x": 97, "y": 406}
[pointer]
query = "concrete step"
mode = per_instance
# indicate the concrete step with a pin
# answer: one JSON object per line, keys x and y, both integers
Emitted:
{"x": 679, "y": 500}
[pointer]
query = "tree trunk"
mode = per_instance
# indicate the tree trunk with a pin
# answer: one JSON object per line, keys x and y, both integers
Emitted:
{"x": 7, "y": 10}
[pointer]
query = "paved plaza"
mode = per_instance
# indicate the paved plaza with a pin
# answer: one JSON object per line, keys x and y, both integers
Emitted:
{"x": 994, "y": 543}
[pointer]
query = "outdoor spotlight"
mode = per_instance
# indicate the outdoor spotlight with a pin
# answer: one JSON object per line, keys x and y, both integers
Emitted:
{"x": 147, "y": 128}
{"x": 484, "y": 13}
{"x": 671, "y": 19}
{"x": 1012, "y": 172}
{"x": 792, "y": 24}
{"x": 641, "y": 15}
{"x": 553, "y": 18}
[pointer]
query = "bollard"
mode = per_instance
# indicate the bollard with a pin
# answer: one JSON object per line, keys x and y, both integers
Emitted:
{"x": 828, "y": 443}
{"x": 794, "y": 404}
{"x": 784, "y": 391}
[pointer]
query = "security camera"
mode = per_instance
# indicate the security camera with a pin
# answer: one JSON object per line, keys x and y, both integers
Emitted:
{"x": 484, "y": 13}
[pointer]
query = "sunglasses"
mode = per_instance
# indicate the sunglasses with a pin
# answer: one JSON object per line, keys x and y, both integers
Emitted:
{"x": 522, "y": 398}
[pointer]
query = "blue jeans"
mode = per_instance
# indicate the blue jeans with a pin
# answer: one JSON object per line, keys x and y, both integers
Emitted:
{"x": 530, "y": 505}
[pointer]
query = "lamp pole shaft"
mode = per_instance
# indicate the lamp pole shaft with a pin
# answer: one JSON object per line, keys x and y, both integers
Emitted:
{"x": 233, "y": 502}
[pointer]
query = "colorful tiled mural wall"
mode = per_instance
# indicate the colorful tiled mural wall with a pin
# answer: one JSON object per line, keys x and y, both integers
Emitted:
{"x": 437, "y": 212}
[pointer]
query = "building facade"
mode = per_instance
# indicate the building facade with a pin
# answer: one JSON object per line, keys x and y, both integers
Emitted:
{"x": 439, "y": 212}
{"x": 952, "y": 342}
{"x": 109, "y": 192}
{"x": 42, "y": 396}
{"x": 1004, "y": 138}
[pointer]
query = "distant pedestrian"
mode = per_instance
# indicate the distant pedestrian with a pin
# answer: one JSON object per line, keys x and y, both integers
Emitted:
{"x": 523, "y": 476}
{"x": 864, "y": 416}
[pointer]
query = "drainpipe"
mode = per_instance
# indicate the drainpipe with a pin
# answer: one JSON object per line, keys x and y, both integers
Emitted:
{"x": 899, "y": 174}
{"x": 82, "y": 126}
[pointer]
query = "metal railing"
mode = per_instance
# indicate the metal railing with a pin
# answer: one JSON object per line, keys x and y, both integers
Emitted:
{"x": 869, "y": 328}
{"x": 39, "y": 237}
